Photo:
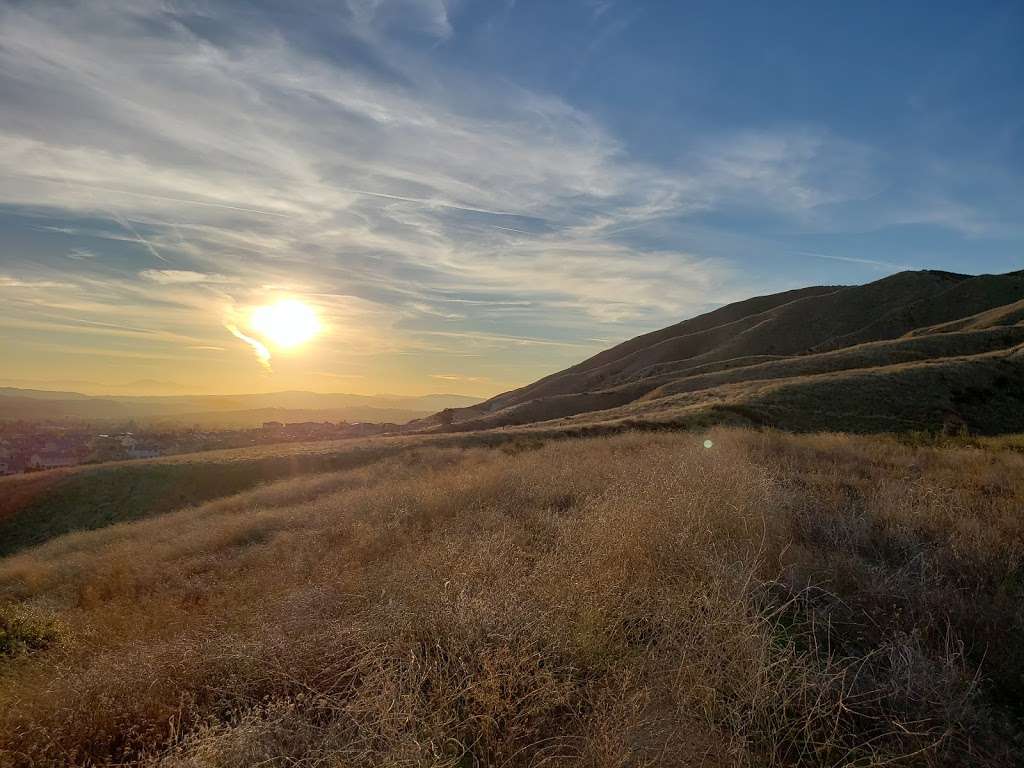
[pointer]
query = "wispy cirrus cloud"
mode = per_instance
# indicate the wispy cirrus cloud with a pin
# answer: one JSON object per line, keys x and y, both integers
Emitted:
{"x": 7, "y": 281}
{"x": 455, "y": 377}
{"x": 237, "y": 161}
{"x": 181, "y": 277}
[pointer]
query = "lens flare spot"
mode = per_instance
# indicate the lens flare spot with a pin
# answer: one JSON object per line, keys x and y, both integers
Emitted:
{"x": 286, "y": 324}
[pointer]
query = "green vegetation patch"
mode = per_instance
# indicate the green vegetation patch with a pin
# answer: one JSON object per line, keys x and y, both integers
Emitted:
{"x": 23, "y": 631}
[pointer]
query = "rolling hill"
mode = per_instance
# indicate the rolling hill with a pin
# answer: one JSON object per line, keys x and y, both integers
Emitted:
{"x": 917, "y": 350}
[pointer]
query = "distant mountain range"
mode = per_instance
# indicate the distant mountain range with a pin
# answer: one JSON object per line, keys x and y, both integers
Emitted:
{"x": 917, "y": 350}
{"x": 222, "y": 410}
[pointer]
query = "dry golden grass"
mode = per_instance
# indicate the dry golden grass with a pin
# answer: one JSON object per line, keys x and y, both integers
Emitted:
{"x": 621, "y": 601}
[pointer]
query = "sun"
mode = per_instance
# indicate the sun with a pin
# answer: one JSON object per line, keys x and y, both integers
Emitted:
{"x": 286, "y": 324}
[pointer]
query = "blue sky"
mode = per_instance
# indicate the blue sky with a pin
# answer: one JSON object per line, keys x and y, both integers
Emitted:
{"x": 475, "y": 194}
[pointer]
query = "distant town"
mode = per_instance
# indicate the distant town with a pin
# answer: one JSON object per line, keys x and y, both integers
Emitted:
{"x": 29, "y": 446}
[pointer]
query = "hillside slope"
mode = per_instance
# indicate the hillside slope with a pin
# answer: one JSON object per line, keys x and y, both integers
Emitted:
{"x": 917, "y": 350}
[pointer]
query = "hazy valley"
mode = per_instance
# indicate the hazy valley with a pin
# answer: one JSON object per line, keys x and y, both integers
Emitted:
{"x": 219, "y": 411}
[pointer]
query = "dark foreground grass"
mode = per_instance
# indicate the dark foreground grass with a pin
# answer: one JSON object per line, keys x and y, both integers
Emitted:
{"x": 36, "y": 508}
{"x": 618, "y": 601}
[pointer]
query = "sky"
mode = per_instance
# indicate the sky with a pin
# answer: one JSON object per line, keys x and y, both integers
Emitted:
{"x": 471, "y": 194}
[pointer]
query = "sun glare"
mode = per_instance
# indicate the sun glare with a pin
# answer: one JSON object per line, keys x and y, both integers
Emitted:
{"x": 286, "y": 324}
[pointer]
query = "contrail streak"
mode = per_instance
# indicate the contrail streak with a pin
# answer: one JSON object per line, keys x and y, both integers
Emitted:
{"x": 852, "y": 260}
{"x": 431, "y": 203}
{"x": 149, "y": 246}
{"x": 262, "y": 353}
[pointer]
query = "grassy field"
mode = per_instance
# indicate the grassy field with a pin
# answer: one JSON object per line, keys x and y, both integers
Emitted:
{"x": 627, "y": 600}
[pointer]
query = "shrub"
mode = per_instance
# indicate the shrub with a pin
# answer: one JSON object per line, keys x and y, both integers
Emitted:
{"x": 23, "y": 631}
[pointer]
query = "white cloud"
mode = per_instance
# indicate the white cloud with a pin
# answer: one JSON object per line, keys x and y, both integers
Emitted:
{"x": 429, "y": 17}
{"x": 6, "y": 281}
{"x": 792, "y": 171}
{"x": 180, "y": 277}
{"x": 455, "y": 377}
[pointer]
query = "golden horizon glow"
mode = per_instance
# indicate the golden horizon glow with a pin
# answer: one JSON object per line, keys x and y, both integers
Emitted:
{"x": 286, "y": 324}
